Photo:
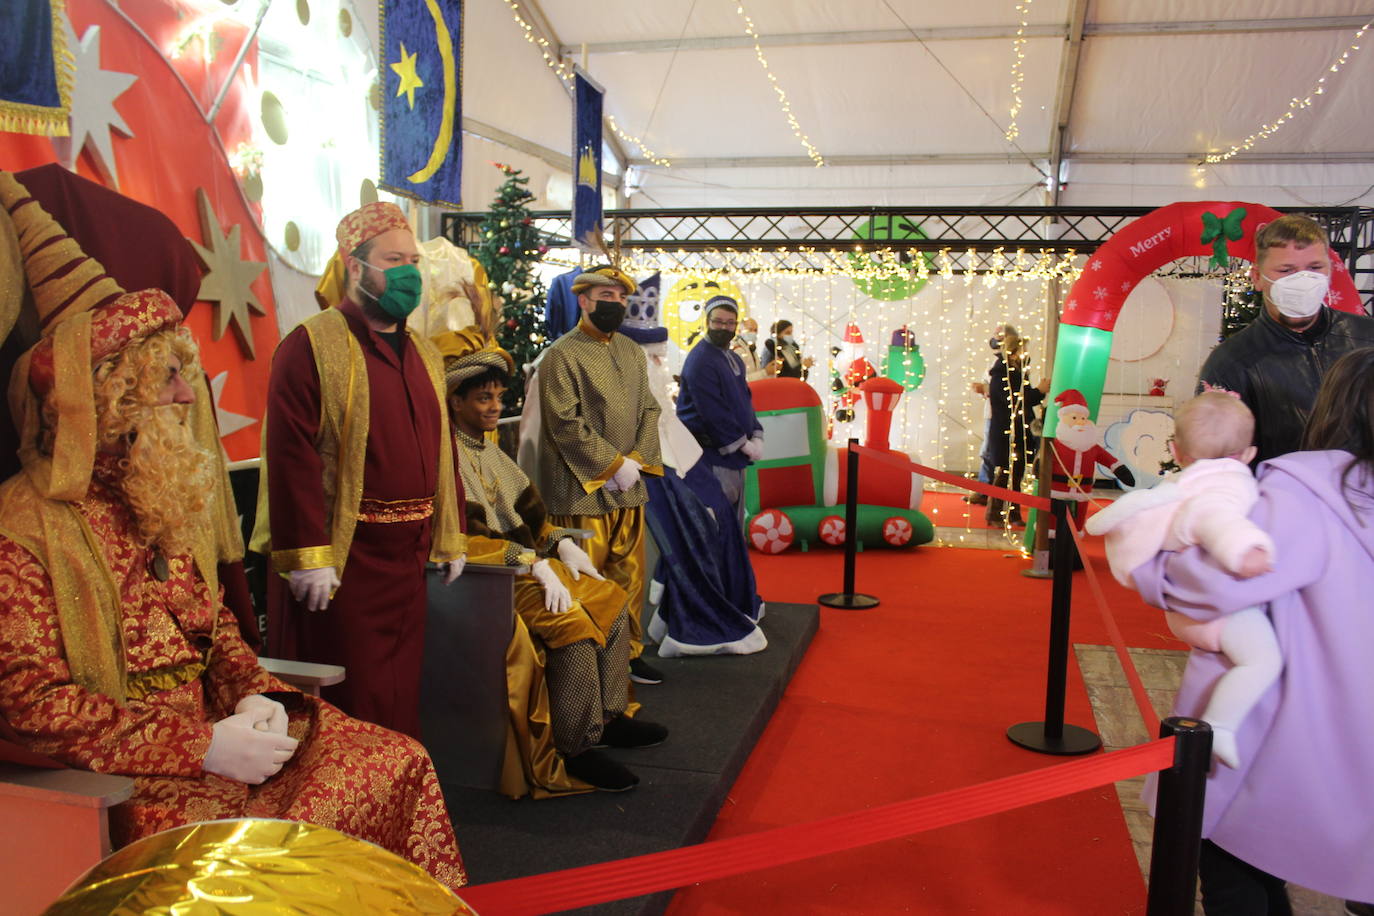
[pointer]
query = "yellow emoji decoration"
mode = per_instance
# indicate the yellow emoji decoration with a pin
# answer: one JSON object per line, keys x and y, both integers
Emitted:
{"x": 684, "y": 302}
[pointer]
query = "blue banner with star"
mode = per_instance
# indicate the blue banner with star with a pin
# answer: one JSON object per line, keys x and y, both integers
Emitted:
{"x": 587, "y": 161}
{"x": 36, "y": 68}
{"x": 422, "y": 96}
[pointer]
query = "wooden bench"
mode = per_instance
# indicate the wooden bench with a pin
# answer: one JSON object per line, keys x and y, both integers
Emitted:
{"x": 54, "y": 826}
{"x": 307, "y": 677}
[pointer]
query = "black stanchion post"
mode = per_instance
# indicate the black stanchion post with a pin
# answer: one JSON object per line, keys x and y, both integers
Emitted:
{"x": 1052, "y": 736}
{"x": 1178, "y": 818}
{"x": 847, "y": 599}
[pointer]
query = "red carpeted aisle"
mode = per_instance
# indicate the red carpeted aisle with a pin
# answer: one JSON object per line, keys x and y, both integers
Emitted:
{"x": 911, "y": 698}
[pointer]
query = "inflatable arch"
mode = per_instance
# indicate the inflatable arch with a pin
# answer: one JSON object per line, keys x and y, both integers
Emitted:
{"x": 1216, "y": 228}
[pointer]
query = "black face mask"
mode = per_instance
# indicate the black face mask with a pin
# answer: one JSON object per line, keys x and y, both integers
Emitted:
{"x": 721, "y": 337}
{"x": 606, "y": 316}
{"x": 994, "y": 343}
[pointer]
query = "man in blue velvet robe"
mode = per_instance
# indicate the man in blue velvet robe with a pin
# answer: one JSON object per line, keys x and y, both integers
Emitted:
{"x": 715, "y": 403}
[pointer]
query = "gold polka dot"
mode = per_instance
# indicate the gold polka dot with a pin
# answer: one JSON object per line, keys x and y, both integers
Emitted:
{"x": 303, "y": 11}
{"x": 368, "y": 193}
{"x": 345, "y": 23}
{"x": 293, "y": 236}
{"x": 274, "y": 118}
{"x": 252, "y": 187}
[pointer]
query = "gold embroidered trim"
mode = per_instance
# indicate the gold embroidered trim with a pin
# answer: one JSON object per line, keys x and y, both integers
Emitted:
{"x": 384, "y": 511}
{"x": 284, "y": 561}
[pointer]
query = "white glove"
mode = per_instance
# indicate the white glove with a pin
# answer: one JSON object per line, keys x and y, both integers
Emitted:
{"x": 577, "y": 561}
{"x": 243, "y": 754}
{"x": 454, "y": 568}
{"x": 752, "y": 449}
{"x": 314, "y": 587}
{"x": 266, "y": 714}
{"x": 627, "y": 475}
{"x": 557, "y": 598}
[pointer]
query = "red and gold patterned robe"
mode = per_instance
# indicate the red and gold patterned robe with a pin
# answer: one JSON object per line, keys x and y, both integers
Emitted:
{"x": 187, "y": 667}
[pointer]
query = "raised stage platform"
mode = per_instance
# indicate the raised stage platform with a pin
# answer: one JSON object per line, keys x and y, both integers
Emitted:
{"x": 716, "y": 707}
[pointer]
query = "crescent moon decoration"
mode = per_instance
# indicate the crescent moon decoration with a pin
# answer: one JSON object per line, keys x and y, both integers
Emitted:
{"x": 445, "y": 137}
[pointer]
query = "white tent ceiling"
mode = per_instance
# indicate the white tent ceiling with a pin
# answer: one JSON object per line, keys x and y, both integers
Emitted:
{"x": 908, "y": 100}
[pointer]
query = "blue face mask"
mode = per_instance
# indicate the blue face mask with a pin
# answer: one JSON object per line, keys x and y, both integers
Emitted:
{"x": 402, "y": 293}
{"x": 788, "y": 339}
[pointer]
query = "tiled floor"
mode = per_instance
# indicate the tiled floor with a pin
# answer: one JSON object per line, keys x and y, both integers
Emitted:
{"x": 1119, "y": 724}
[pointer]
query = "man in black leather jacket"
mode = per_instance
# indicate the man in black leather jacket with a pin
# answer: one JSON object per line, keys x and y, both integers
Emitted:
{"x": 1276, "y": 363}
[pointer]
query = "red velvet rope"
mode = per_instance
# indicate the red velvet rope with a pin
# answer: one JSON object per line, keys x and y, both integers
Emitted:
{"x": 1142, "y": 699}
{"x": 660, "y": 871}
{"x": 958, "y": 480}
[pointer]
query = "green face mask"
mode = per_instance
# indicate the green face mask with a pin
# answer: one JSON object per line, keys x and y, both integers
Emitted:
{"x": 402, "y": 293}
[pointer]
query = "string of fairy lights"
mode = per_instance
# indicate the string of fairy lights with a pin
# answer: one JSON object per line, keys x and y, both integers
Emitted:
{"x": 792, "y": 122}
{"x": 565, "y": 73}
{"x": 990, "y": 269}
{"x": 1018, "y": 74}
{"x": 1295, "y": 105}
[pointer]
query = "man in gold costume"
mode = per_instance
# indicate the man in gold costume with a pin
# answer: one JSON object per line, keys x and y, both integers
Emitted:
{"x": 358, "y": 487}
{"x": 117, "y": 654}
{"x": 599, "y": 434}
{"x": 580, "y": 617}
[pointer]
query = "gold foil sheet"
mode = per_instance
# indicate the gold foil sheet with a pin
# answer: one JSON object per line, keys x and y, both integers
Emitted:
{"x": 255, "y": 867}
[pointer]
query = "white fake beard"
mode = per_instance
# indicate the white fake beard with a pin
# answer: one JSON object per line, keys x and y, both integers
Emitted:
{"x": 1076, "y": 438}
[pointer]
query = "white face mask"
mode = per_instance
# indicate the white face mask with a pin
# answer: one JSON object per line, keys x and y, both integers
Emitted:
{"x": 788, "y": 339}
{"x": 1299, "y": 295}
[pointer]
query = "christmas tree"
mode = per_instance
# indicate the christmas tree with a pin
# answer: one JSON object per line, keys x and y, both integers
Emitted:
{"x": 509, "y": 249}
{"x": 1239, "y": 308}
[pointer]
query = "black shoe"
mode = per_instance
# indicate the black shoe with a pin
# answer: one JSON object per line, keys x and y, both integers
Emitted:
{"x": 1356, "y": 908}
{"x": 622, "y": 731}
{"x": 641, "y": 672}
{"x": 976, "y": 499}
{"x": 592, "y": 766}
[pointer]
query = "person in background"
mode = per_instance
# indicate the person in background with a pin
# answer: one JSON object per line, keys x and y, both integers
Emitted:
{"x": 745, "y": 346}
{"x": 1012, "y": 401}
{"x": 715, "y": 404}
{"x": 782, "y": 351}
{"x": 987, "y": 468}
{"x": 1276, "y": 363}
{"x": 1300, "y": 807}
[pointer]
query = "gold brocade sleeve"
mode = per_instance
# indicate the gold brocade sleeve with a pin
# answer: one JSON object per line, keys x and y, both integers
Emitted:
{"x": 55, "y": 716}
{"x": 646, "y": 450}
{"x": 233, "y": 672}
{"x": 448, "y": 542}
{"x": 581, "y": 447}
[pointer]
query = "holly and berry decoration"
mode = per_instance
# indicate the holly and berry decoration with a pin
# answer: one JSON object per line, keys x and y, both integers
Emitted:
{"x": 509, "y": 251}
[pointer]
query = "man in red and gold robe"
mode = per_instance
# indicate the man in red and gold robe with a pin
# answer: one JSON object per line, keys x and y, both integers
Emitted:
{"x": 358, "y": 489}
{"x": 117, "y": 653}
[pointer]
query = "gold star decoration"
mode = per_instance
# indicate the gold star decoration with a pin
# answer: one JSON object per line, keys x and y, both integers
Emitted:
{"x": 410, "y": 80}
{"x": 229, "y": 278}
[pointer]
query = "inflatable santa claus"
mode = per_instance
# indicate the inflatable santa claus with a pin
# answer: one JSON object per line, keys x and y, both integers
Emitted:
{"x": 1077, "y": 452}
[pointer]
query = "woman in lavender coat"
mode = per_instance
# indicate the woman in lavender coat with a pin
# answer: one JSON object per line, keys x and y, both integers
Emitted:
{"x": 1301, "y": 805}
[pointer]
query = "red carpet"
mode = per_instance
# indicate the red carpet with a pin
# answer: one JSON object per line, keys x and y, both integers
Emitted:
{"x": 948, "y": 510}
{"x": 911, "y": 698}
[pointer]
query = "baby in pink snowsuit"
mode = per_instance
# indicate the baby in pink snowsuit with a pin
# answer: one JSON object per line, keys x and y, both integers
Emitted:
{"x": 1206, "y": 505}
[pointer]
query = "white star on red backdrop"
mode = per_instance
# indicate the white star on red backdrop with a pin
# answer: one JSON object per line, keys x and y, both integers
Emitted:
{"x": 93, "y": 111}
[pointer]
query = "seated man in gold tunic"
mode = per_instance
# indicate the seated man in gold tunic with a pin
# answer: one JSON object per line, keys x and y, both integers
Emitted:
{"x": 577, "y": 614}
{"x": 117, "y": 654}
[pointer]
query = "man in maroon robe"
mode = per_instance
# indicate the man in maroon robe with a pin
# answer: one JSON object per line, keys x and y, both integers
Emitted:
{"x": 359, "y": 482}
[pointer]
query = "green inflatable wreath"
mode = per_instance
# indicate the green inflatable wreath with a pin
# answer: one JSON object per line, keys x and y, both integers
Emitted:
{"x": 889, "y": 289}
